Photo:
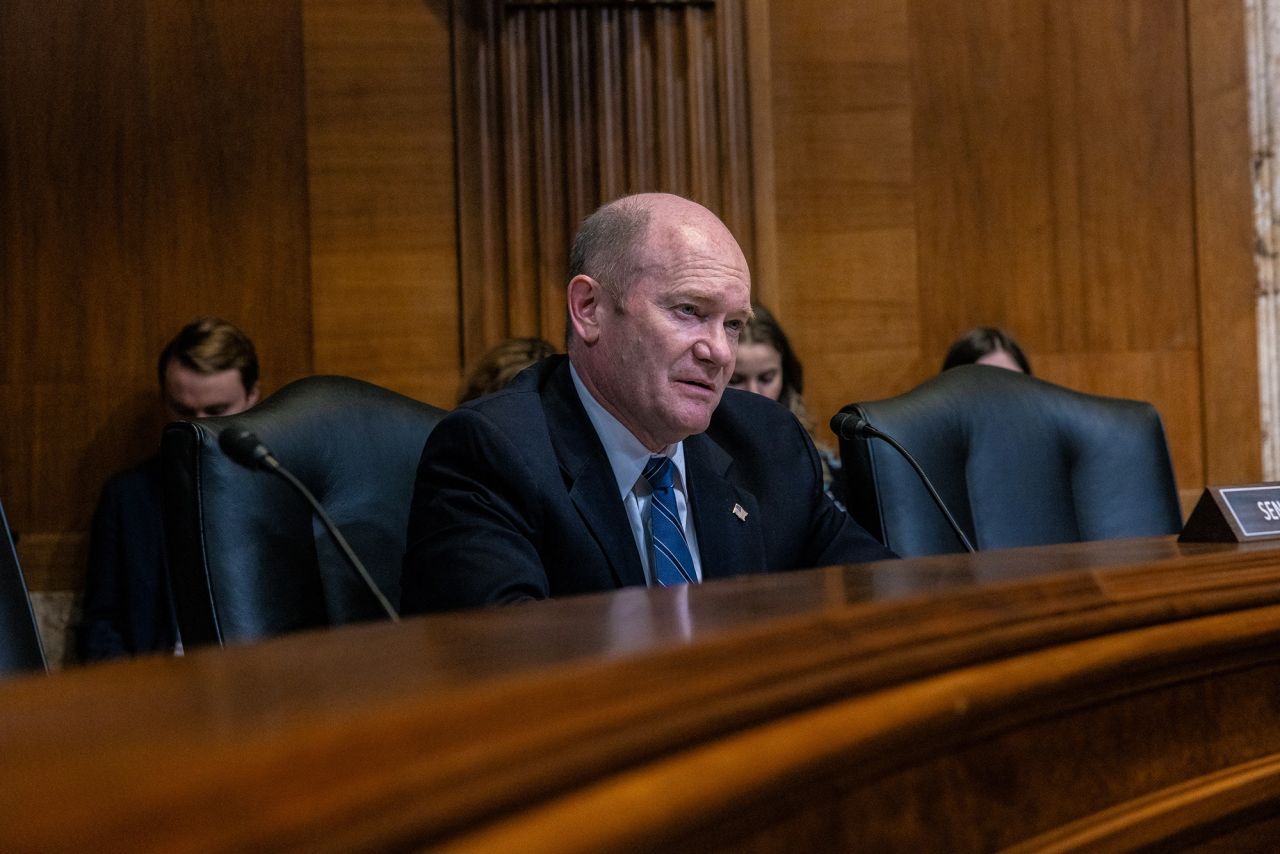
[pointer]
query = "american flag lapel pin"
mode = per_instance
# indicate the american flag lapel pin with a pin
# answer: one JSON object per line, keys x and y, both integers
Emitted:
{"x": 740, "y": 512}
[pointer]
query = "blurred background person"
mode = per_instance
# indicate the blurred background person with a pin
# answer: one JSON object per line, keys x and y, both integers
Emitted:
{"x": 987, "y": 345}
{"x": 767, "y": 365}
{"x": 209, "y": 368}
{"x": 500, "y": 365}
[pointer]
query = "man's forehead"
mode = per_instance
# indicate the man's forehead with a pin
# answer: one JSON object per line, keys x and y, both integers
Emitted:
{"x": 695, "y": 254}
{"x": 704, "y": 235}
{"x": 179, "y": 378}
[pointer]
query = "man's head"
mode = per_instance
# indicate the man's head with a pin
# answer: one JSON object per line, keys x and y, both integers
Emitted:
{"x": 209, "y": 368}
{"x": 658, "y": 293}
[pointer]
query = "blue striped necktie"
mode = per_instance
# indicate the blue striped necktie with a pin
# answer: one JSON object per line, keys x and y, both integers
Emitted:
{"x": 671, "y": 561}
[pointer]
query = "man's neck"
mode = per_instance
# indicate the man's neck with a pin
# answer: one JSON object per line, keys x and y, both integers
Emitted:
{"x": 583, "y": 382}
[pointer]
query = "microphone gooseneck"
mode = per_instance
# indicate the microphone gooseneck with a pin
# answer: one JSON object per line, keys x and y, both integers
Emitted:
{"x": 247, "y": 449}
{"x": 853, "y": 424}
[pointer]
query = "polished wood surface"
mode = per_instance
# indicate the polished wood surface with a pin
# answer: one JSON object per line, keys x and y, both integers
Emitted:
{"x": 1118, "y": 693}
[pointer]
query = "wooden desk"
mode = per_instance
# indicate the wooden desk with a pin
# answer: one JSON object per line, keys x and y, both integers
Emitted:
{"x": 1084, "y": 696}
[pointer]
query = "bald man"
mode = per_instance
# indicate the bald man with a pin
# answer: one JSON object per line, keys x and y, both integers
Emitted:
{"x": 626, "y": 463}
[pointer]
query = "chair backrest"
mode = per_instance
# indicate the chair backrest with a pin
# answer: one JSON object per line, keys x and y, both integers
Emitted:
{"x": 247, "y": 558}
{"x": 20, "y": 647}
{"x": 1019, "y": 461}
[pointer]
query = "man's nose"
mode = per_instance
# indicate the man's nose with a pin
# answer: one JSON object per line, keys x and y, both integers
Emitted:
{"x": 715, "y": 347}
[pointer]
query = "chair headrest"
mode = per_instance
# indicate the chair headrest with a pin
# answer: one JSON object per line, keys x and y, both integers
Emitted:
{"x": 246, "y": 556}
{"x": 1018, "y": 460}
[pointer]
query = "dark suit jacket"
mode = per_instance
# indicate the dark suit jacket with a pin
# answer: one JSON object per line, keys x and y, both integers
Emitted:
{"x": 127, "y": 605}
{"x": 515, "y": 499}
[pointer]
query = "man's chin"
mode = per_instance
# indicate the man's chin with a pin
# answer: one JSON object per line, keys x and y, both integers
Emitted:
{"x": 693, "y": 423}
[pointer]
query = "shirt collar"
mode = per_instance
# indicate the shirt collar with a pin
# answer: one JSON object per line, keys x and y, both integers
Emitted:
{"x": 627, "y": 456}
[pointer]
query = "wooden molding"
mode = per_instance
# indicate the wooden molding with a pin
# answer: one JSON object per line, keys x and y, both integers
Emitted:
{"x": 562, "y": 106}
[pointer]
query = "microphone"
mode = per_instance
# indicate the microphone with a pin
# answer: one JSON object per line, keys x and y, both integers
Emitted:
{"x": 853, "y": 424}
{"x": 247, "y": 449}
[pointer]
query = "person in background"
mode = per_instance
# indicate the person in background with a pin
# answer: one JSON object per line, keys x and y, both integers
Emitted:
{"x": 767, "y": 365}
{"x": 209, "y": 368}
{"x": 987, "y": 345}
{"x": 626, "y": 462}
{"x": 499, "y": 366}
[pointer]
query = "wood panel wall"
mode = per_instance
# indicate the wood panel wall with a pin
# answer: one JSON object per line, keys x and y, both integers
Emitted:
{"x": 1074, "y": 171}
{"x": 380, "y": 167}
{"x": 1226, "y": 275}
{"x": 149, "y": 172}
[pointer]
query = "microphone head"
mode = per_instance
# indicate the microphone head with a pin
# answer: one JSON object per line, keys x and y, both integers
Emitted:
{"x": 244, "y": 447}
{"x": 851, "y": 424}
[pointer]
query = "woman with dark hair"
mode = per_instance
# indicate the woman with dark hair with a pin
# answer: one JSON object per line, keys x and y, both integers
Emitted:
{"x": 768, "y": 366}
{"x": 987, "y": 345}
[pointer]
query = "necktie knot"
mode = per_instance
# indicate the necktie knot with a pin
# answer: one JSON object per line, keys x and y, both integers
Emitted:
{"x": 658, "y": 472}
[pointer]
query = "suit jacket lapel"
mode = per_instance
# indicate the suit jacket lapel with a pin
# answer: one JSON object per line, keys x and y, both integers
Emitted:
{"x": 589, "y": 477}
{"x": 727, "y": 545}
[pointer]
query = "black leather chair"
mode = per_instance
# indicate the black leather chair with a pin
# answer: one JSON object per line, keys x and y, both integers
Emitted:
{"x": 20, "y": 647}
{"x": 1019, "y": 461}
{"x": 248, "y": 560}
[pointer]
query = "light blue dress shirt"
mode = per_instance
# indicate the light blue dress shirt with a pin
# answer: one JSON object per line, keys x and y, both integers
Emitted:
{"x": 627, "y": 457}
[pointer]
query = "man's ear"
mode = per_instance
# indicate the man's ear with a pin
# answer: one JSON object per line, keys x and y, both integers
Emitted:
{"x": 253, "y": 396}
{"x": 586, "y": 305}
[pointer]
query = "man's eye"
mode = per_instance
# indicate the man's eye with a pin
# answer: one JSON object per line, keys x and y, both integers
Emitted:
{"x": 768, "y": 377}
{"x": 734, "y": 325}
{"x": 687, "y": 309}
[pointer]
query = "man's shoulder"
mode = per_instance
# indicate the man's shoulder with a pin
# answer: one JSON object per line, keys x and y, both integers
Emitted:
{"x": 758, "y": 433}
{"x": 132, "y": 497}
{"x": 743, "y": 411}
{"x": 518, "y": 417}
{"x": 143, "y": 477}
{"x": 522, "y": 399}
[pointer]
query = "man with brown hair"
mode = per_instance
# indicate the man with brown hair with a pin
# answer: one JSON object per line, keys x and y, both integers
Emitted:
{"x": 209, "y": 368}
